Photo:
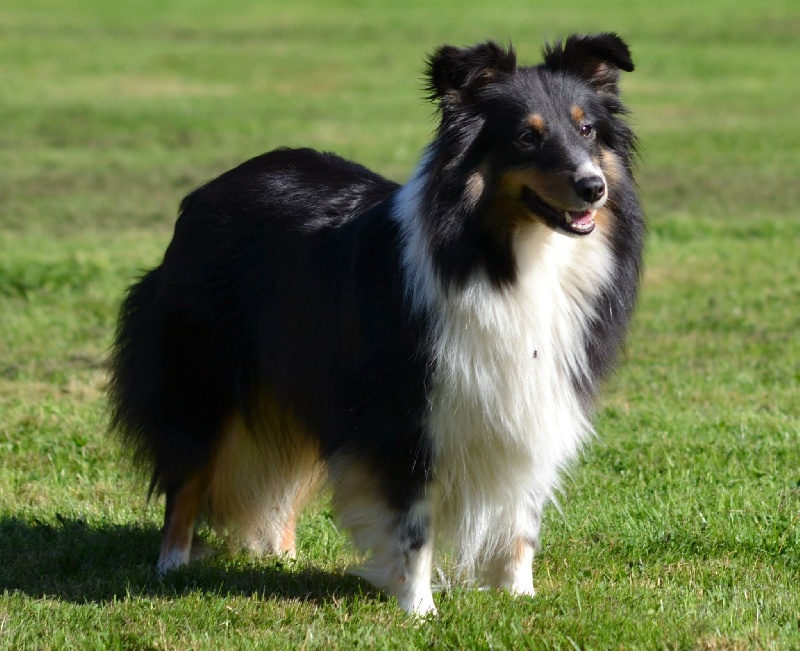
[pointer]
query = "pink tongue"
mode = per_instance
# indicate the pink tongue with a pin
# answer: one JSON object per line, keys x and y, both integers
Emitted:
{"x": 581, "y": 218}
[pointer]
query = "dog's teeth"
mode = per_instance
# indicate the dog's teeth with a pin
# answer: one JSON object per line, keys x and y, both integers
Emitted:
{"x": 568, "y": 217}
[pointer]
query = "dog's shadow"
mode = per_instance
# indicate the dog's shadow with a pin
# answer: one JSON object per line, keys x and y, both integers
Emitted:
{"x": 78, "y": 563}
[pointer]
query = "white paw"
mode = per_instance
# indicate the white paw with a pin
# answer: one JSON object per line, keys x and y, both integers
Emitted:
{"x": 171, "y": 560}
{"x": 523, "y": 588}
{"x": 419, "y": 604}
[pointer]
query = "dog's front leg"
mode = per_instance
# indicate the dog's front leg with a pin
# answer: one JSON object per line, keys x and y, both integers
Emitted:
{"x": 399, "y": 541}
{"x": 512, "y": 569}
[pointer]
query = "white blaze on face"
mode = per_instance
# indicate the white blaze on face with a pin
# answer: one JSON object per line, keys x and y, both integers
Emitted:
{"x": 588, "y": 169}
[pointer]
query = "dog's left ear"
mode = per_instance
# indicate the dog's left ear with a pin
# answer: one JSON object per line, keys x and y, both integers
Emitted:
{"x": 597, "y": 59}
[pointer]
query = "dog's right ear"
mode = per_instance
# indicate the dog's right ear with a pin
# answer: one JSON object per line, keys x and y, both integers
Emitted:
{"x": 453, "y": 72}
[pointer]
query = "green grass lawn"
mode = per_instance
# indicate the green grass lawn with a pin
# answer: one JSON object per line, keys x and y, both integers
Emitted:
{"x": 679, "y": 528}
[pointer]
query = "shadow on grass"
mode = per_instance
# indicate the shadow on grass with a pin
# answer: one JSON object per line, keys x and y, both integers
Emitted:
{"x": 79, "y": 563}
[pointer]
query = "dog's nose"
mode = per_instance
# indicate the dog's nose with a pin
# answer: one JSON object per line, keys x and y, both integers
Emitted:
{"x": 590, "y": 188}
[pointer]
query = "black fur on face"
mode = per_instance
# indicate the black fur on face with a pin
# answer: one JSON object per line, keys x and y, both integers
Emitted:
{"x": 516, "y": 144}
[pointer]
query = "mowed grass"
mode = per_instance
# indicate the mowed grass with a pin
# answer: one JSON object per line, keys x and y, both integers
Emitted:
{"x": 680, "y": 526}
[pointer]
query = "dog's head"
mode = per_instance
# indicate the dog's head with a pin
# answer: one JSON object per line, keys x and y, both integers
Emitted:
{"x": 534, "y": 143}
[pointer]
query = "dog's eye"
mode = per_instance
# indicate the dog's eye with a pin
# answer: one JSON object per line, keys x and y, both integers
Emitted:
{"x": 587, "y": 130}
{"x": 528, "y": 139}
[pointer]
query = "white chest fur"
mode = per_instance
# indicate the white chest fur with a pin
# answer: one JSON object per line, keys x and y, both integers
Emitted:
{"x": 504, "y": 417}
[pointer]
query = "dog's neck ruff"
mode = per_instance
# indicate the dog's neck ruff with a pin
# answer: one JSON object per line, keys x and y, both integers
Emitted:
{"x": 504, "y": 413}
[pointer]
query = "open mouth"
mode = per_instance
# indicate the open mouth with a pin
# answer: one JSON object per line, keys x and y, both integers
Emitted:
{"x": 579, "y": 222}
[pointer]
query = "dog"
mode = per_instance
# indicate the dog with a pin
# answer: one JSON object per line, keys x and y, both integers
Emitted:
{"x": 431, "y": 351}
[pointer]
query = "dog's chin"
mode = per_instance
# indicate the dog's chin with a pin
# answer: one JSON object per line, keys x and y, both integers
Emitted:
{"x": 573, "y": 222}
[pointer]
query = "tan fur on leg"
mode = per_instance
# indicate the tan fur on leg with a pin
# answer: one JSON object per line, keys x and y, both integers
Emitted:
{"x": 182, "y": 510}
{"x": 265, "y": 472}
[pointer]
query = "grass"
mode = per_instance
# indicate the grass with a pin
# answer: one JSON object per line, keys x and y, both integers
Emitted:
{"x": 680, "y": 527}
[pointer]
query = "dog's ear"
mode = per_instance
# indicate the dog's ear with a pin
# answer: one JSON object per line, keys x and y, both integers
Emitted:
{"x": 597, "y": 59}
{"x": 454, "y": 71}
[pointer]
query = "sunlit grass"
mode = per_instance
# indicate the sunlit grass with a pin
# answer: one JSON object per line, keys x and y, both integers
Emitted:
{"x": 680, "y": 526}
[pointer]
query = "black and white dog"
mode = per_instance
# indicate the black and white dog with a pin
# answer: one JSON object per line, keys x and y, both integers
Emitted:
{"x": 433, "y": 350}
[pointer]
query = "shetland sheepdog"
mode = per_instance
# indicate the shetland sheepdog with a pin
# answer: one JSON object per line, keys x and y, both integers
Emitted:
{"x": 431, "y": 351}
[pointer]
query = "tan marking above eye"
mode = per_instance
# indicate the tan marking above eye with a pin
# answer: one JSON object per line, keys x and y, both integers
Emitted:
{"x": 536, "y": 122}
{"x": 578, "y": 114}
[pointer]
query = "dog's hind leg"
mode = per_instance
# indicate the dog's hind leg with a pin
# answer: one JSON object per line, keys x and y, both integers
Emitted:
{"x": 265, "y": 471}
{"x": 286, "y": 544}
{"x": 183, "y": 505}
{"x": 305, "y": 486}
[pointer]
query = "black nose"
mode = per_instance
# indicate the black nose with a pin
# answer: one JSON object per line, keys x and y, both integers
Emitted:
{"x": 590, "y": 188}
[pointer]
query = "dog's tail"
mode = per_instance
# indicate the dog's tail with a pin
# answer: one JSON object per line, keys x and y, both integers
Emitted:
{"x": 137, "y": 383}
